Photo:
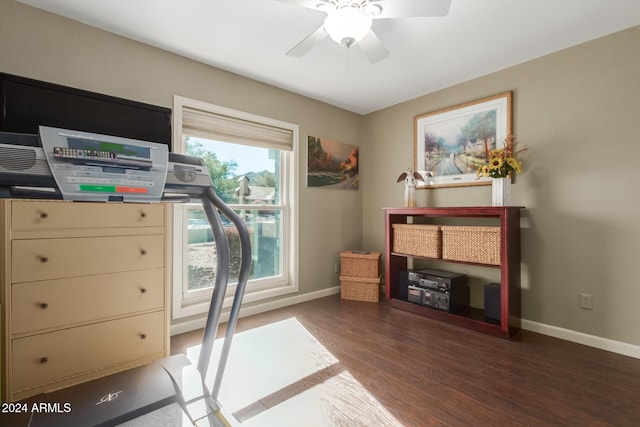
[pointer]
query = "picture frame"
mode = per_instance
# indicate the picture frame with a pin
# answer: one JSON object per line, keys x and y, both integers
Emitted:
{"x": 332, "y": 164}
{"x": 452, "y": 143}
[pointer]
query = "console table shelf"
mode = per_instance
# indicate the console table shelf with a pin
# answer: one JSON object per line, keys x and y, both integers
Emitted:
{"x": 446, "y": 260}
{"x": 473, "y": 318}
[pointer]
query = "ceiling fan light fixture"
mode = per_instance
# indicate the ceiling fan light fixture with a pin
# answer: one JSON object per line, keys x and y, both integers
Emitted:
{"x": 347, "y": 25}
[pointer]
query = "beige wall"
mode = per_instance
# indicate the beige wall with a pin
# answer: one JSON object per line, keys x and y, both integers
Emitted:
{"x": 578, "y": 113}
{"x": 43, "y": 46}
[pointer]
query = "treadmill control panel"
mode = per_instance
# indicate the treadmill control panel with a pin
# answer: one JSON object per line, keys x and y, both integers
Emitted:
{"x": 94, "y": 167}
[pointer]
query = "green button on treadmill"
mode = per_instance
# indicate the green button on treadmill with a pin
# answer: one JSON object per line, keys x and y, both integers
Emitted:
{"x": 98, "y": 188}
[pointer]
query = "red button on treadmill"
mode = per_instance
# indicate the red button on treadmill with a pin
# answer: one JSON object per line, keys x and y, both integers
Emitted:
{"x": 131, "y": 189}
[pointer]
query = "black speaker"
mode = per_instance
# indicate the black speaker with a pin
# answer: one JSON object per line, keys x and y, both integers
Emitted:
{"x": 492, "y": 301}
{"x": 21, "y": 156}
{"x": 403, "y": 288}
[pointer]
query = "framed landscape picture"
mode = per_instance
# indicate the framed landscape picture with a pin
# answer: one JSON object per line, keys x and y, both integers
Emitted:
{"x": 332, "y": 164}
{"x": 451, "y": 144}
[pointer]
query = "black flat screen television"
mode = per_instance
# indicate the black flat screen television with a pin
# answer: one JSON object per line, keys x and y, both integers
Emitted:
{"x": 26, "y": 104}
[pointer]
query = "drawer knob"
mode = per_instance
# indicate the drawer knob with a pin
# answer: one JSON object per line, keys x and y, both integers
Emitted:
{"x": 44, "y": 305}
{"x": 143, "y": 336}
{"x": 143, "y": 290}
{"x": 44, "y": 259}
{"x": 44, "y": 360}
{"x": 143, "y": 252}
{"x": 143, "y": 214}
{"x": 44, "y": 215}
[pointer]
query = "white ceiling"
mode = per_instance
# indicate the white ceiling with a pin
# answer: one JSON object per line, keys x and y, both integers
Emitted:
{"x": 250, "y": 38}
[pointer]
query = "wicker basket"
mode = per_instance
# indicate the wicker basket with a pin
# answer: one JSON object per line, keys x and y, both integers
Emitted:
{"x": 471, "y": 244}
{"x": 355, "y": 264}
{"x": 417, "y": 239}
{"x": 360, "y": 288}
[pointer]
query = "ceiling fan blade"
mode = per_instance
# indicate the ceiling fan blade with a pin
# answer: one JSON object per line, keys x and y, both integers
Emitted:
{"x": 307, "y": 43}
{"x": 412, "y": 8}
{"x": 311, "y": 4}
{"x": 373, "y": 48}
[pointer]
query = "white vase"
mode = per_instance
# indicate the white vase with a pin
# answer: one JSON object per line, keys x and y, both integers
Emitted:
{"x": 501, "y": 191}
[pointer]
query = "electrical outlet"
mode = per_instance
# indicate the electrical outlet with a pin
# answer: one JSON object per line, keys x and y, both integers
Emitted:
{"x": 586, "y": 301}
{"x": 336, "y": 268}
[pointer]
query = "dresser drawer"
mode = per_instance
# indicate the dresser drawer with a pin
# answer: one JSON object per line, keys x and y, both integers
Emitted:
{"x": 54, "y": 356}
{"x": 43, "y": 259}
{"x": 57, "y": 303}
{"x": 45, "y": 215}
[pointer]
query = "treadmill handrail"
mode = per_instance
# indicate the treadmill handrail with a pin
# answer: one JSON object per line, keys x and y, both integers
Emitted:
{"x": 243, "y": 277}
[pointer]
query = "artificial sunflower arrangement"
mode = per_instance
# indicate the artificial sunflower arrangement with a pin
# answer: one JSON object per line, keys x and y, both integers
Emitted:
{"x": 502, "y": 161}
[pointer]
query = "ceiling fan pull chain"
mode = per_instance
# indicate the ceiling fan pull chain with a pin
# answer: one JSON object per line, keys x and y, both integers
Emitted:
{"x": 348, "y": 57}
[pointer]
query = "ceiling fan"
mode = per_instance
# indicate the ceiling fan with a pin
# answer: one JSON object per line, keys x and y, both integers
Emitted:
{"x": 348, "y": 22}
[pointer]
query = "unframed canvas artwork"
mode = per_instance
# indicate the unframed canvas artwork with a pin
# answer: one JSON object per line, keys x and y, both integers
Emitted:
{"x": 332, "y": 164}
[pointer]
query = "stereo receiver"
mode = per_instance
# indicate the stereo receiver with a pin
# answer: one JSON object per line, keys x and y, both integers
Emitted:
{"x": 438, "y": 289}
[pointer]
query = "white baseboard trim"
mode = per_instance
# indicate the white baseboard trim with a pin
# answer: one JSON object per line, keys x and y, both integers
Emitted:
{"x": 181, "y": 327}
{"x": 582, "y": 338}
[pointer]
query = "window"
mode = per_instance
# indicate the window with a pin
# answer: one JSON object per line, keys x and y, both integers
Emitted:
{"x": 251, "y": 160}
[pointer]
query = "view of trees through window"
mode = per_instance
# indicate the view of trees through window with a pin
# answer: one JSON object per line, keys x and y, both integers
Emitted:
{"x": 247, "y": 178}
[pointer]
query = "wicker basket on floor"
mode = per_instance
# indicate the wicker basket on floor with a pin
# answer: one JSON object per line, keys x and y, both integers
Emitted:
{"x": 471, "y": 244}
{"x": 360, "y": 264}
{"x": 417, "y": 239}
{"x": 360, "y": 288}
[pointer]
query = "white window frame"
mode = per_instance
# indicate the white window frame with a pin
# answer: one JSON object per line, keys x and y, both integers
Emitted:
{"x": 257, "y": 289}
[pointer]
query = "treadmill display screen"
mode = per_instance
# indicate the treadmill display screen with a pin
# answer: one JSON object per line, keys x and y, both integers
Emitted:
{"x": 93, "y": 167}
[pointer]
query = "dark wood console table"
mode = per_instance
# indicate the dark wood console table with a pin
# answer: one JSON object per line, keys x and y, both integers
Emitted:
{"x": 509, "y": 220}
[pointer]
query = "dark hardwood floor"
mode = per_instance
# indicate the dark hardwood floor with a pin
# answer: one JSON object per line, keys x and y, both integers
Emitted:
{"x": 427, "y": 372}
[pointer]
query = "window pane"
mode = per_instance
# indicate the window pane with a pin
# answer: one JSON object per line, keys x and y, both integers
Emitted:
{"x": 265, "y": 230}
{"x": 266, "y": 235}
{"x": 241, "y": 174}
{"x": 201, "y": 258}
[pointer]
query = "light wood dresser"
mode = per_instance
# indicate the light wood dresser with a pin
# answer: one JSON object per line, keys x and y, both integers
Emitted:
{"x": 84, "y": 291}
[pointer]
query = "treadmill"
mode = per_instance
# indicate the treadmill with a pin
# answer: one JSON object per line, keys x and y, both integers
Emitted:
{"x": 81, "y": 166}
